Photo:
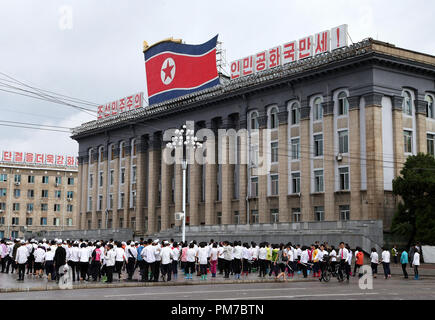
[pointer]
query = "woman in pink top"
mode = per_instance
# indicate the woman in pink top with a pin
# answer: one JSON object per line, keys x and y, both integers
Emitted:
{"x": 184, "y": 257}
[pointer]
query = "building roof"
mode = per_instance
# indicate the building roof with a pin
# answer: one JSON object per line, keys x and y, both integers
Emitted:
{"x": 239, "y": 86}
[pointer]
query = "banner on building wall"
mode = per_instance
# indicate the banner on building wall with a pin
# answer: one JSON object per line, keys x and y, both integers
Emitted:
{"x": 174, "y": 69}
{"x": 15, "y": 157}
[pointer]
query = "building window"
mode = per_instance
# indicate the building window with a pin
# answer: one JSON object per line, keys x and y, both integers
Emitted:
{"x": 29, "y": 221}
{"x": 56, "y": 222}
{"x": 296, "y": 149}
{"x": 274, "y": 215}
{"x": 70, "y": 194}
{"x": 17, "y": 178}
{"x": 17, "y": 193}
{"x": 100, "y": 154}
{"x": 43, "y": 221}
{"x": 99, "y": 224}
{"x": 112, "y": 152}
{"x": 29, "y": 207}
{"x": 91, "y": 181}
{"x": 31, "y": 179}
{"x": 343, "y": 141}
{"x": 111, "y": 177}
{"x": 15, "y": 221}
{"x": 122, "y": 149}
{"x": 133, "y": 174}
{"x": 44, "y": 193}
{"x": 109, "y": 224}
{"x": 236, "y": 217}
{"x": 296, "y": 182}
{"x": 318, "y": 145}
{"x": 122, "y": 175}
{"x": 133, "y": 199}
{"x": 407, "y": 103}
{"x": 70, "y": 181}
{"x": 254, "y": 216}
{"x": 69, "y": 207}
{"x": 57, "y": 194}
{"x": 273, "y": 118}
{"x": 100, "y": 178}
{"x": 44, "y": 207}
{"x": 219, "y": 182}
{"x": 318, "y": 109}
{"x": 45, "y": 179}
{"x": 90, "y": 204}
{"x": 344, "y": 178}
{"x": 274, "y": 184}
{"x": 56, "y": 207}
{"x": 343, "y": 104}
{"x": 121, "y": 200}
{"x": 2, "y": 222}
{"x": 407, "y": 136}
{"x": 254, "y": 120}
{"x": 30, "y": 194}
{"x": 100, "y": 203}
{"x": 69, "y": 222}
{"x": 2, "y": 192}
{"x": 253, "y": 157}
{"x": 431, "y": 144}
{"x": 318, "y": 181}
{"x": 274, "y": 152}
{"x": 429, "y": 107}
{"x": 121, "y": 222}
{"x": 344, "y": 212}
{"x": 58, "y": 180}
{"x": 133, "y": 147}
{"x": 3, "y": 177}
{"x": 319, "y": 213}
{"x": 16, "y": 207}
{"x": 2, "y": 206}
{"x": 295, "y": 114}
{"x": 296, "y": 214}
{"x": 110, "y": 201}
{"x": 254, "y": 186}
{"x": 219, "y": 218}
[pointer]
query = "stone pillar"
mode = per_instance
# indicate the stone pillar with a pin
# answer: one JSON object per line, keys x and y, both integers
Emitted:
{"x": 178, "y": 190}
{"x": 166, "y": 192}
{"x": 399, "y": 156}
{"x": 283, "y": 165}
{"x": 243, "y": 172}
{"x": 354, "y": 158}
{"x": 329, "y": 152}
{"x": 153, "y": 173}
{"x": 94, "y": 193}
{"x": 264, "y": 150}
{"x": 210, "y": 180}
{"x": 194, "y": 191}
{"x": 82, "y": 188}
{"x": 305, "y": 163}
{"x": 141, "y": 168}
{"x": 116, "y": 183}
{"x": 227, "y": 176}
{"x": 127, "y": 188}
{"x": 420, "y": 130}
{"x": 375, "y": 173}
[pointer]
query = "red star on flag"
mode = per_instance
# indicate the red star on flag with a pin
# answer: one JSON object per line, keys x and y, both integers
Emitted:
{"x": 167, "y": 70}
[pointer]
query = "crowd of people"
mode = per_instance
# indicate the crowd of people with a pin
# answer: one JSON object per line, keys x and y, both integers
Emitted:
{"x": 161, "y": 260}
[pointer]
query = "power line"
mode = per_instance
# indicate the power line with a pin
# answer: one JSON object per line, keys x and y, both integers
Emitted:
{"x": 35, "y": 128}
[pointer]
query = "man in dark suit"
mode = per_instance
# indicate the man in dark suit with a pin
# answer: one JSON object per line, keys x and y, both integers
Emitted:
{"x": 59, "y": 258}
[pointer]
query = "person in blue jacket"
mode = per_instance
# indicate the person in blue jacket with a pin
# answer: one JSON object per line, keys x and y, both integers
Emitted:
{"x": 404, "y": 262}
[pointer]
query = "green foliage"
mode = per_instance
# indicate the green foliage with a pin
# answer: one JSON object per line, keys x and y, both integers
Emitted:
{"x": 415, "y": 215}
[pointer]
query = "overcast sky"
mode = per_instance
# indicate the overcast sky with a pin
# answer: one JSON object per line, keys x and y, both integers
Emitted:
{"x": 100, "y": 58}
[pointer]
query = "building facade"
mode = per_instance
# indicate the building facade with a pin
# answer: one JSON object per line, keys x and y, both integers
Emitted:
{"x": 36, "y": 198}
{"x": 340, "y": 126}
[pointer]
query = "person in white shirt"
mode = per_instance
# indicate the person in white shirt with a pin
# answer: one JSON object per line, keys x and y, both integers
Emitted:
{"x": 298, "y": 253}
{"x": 290, "y": 261}
{"x": 84, "y": 257}
{"x": 49, "y": 264}
{"x": 262, "y": 261}
{"x": 119, "y": 259}
{"x": 416, "y": 262}
{"x": 166, "y": 255}
{"x": 39, "y": 255}
{"x": 343, "y": 254}
{"x": 149, "y": 257}
{"x": 304, "y": 260}
{"x": 322, "y": 254}
{"x": 246, "y": 260}
{"x": 221, "y": 262}
{"x": 202, "y": 256}
{"x": 156, "y": 271}
{"x": 131, "y": 256}
{"x": 386, "y": 262}
{"x": 214, "y": 253}
{"x": 374, "y": 261}
{"x": 21, "y": 259}
{"x": 237, "y": 259}
{"x": 110, "y": 258}
{"x": 191, "y": 258}
{"x": 175, "y": 259}
{"x": 74, "y": 261}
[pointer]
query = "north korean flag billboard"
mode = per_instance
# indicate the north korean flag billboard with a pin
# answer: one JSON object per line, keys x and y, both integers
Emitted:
{"x": 175, "y": 69}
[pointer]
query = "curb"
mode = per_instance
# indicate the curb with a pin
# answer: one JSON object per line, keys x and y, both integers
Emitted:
{"x": 145, "y": 284}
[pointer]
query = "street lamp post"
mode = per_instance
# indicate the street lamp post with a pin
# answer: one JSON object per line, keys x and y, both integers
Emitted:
{"x": 184, "y": 138}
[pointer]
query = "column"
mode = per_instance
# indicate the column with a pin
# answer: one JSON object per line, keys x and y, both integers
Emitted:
{"x": 305, "y": 163}
{"x": 227, "y": 175}
{"x": 243, "y": 171}
{"x": 264, "y": 150}
{"x": 210, "y": 178}
{"x": 166, "y": 192}
{"x": 420, "y": 130}
{"x": 283, "y": 162}
{"x": 329, "y": 161}
{"x": 354, "y": 158}
{"x": 194, "y": 191}
{"x": 153, "y": 173}
{"x": 399, "y": 157}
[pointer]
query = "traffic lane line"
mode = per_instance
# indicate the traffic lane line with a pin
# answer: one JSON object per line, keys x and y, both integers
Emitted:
{"x": 301, "y": 296}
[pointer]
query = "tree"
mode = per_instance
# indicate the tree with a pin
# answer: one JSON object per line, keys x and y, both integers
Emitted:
{"x": 415, "y": 215}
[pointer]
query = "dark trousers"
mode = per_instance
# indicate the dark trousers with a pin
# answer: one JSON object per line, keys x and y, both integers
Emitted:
{"x": 237, "y": 263}
{"x": 3, "y": 263}
{"x": 220, "y": 265}
{"x": 141, "y": 265}
{"x": 175, "y": 267}
{"x": 344, "y": 267}
{"x": 263, "y": 266}
{"x": 167, "y": 270}
{"x": 415, "y": 271}
{"x": 84, "y": 270}
{"x": 49, "y": 268}
{"x": 95, "y": 270}
{"x": 374, "y": 268}
{"x": 130, "y": 267}
{"x": 156, "y": 271}
{"x": 405, "y": 274}
{"x": 10, "y": 262}
{"x": 30, "y": 264}
{"x": 146, "y": 268}
{"x": 21, "y": 270}
{"x": 109, "y": 272}
{"x": 304, "y": 269}
{"x": 118, "y": 268}
{"x": 226, "y": 267}
{"x": 74, "y": 269}
{"x": 386, "y": 269}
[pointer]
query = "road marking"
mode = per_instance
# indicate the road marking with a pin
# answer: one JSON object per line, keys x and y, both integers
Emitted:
{"x": 192, "y": 292}
{"x": 302, "y": 296}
